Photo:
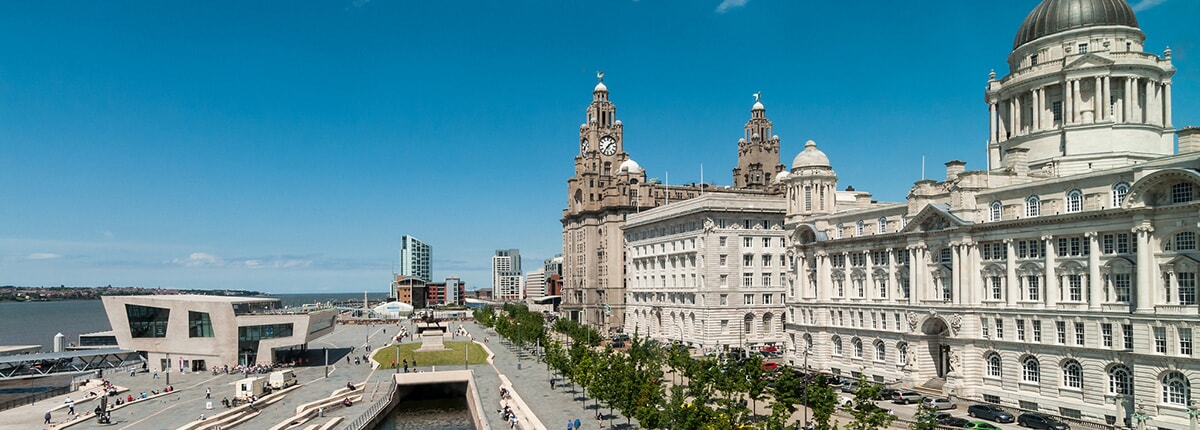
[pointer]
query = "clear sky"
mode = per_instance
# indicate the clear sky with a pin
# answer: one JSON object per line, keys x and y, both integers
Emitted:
{"x": 285, "y": 146}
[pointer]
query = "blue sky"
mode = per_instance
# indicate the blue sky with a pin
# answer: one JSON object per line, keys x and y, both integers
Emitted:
{"x": 286, "y": 146}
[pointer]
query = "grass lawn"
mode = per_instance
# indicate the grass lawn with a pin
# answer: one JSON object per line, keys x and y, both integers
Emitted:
{"x": 452, "y": 355}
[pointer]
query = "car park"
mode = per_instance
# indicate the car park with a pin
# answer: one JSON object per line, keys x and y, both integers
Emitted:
{"x": 906, "y": 397}
{"x": 947, "y": 420}
{"x": 1041, "y": 421}
{"x": 981, "y": 425}
{"x": 990, "y": 412}
{"x": 849, "y": 386}
{"x": 938, "y": 403}
{"x": 887, "y": 393}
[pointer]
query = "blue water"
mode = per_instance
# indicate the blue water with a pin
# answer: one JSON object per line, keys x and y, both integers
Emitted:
{"x": 36, "y": 323}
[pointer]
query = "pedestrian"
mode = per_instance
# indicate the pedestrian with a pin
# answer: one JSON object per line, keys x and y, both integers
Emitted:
{"x": 513, "y": 424}
{"x": 551, "y": 383}
{"x": 570, "y": 425}
{"x": 132, "y": 371}
{"x": 155, "y": 374}
{"x": 207, "y": 393}
{"x": 47, "y": 417}
{"x": 70, "y": 406}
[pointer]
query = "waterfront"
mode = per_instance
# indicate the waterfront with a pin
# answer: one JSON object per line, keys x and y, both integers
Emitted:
{"x": 36, "y": 323}
{"x": 436, "y": 414}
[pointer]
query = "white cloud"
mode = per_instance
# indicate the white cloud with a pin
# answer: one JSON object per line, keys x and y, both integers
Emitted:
{"x": 732, "y": 4}
{"x": 43, "y": 256}
{"x": 200, "y": 259}
{"x": 1147, "y": 4}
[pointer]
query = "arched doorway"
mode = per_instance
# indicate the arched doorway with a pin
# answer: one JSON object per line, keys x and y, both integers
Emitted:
{"x": 936, "y": 331}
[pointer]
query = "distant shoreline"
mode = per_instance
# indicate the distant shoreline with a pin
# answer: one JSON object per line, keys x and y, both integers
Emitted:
{"x": 59, "y": 294}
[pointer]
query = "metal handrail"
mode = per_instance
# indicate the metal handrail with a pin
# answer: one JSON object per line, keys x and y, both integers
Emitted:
{"x": 374, "y": 410}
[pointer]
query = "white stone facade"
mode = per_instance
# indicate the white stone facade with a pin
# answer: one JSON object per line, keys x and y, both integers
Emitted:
{"x": 708, "y": 271}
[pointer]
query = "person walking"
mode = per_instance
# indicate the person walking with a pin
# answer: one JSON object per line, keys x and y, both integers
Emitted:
{"x": 47, "y": 416}
{"x": 207, "y": 393}
{"x": 513, "y": 424}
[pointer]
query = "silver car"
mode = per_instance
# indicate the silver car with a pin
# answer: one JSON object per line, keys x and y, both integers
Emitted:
{"x": 938, "y": 403}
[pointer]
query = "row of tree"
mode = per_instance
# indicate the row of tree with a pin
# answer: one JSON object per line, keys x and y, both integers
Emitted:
{"x": 664, "y": 386}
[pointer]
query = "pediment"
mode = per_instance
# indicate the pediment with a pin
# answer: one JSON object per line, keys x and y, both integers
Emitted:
{"x": 1183, "y": 260}
{"x": 1088, "y": 61}
{"x": 933, "y": 217}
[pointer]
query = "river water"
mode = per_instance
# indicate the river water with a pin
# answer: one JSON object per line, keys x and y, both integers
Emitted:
{"x": 36, "y": 323}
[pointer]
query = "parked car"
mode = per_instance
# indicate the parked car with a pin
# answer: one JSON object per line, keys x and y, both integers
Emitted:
{"x": 906, "y": 397}
{"x": 1041, "y": 421}
{"x": 981, "y": 425}
{"x": 887, "y": 393}
{"x": 617, "y": 344}
{"x": 849, "y": 386}
{"x": 845, "y": 402}
{"x": 770, "y": 366}
{"x": 938, "y": 403}
{"x": 947, "y": 420}
{"x": 990, "y": 412}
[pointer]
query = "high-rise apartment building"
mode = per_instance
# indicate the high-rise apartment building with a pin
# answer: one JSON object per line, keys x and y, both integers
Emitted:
{"x": 506, "y": 274}
{"x": 416, "y": 258}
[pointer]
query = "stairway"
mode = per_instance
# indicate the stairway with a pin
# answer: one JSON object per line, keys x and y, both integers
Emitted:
{"x": 932, "y": 387}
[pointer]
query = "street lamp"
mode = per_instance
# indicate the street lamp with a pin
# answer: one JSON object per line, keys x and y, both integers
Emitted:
{"x": 806, "y": 380}
{"x": 168, "y": 370}
{"x": 1140, "y": 417}
{"x": 518, "y": 344}
{"x": 326, "y": 361}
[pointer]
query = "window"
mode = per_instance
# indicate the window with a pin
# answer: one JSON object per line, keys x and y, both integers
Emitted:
{"x": 748, "y": 260}
{"x": 747, "y": 279}
{"x": 724, "y": 280}
{"x": 723, "y": 260}
{"x": 1075, "y": 288}
{"x": 882, "y": 225}
{"x": 1181, "y": 192}
{"x": 724, "y": 299}
{"x": 999, "y": 328}
{"x": 983, "y": 327}
{"x": 766, "y": 242}
{"x": 1127, "y": 335}
{"x": 837, "y": 345}
{"x": 994, "y": 368}
{"x": 1061, "y": 329}
{"x": 1021, "y": 330}
{"x": 199, "y": 324}
{"x": 747, "y": 299}
{"x": 807, "y": 198}
{"x": 808, "y": 343}
{"x": 1037, "y": 331}
{"x": 1120, "y": 380}
{"x": 1186, "y": 281}
{"x": 1032, "y": 207}
{"x": 1056, "y": 109}
{"x": 766, "y": 300}
{"x": 1106, "y": 334}
{"x": 994, "y": 211}
{"x": 1175, "y": 389}
{"x": 1079, "y": 333}
{"x": 723, "y": 240}
{"x": 1083, "y": 48}
{"x": 746, "y": 241}
{"x": 147, "y": 321}
{"x": 1072, "y": 375}
{"x": 1074, "y": 201}
{"x": 902, "y": 353}
{"x": 859, "y": 227}
{"x": 1030, "y": 371}
{"x": 997, "y": 287}
{"x": 1121, "y": 286}
{"x": 858, "y": 347}
{"x": 766, "y": 260}
{"x": 766, "y": 279}
{"x": 1185, "y": 341}
{"x": 1119, "y": 191}
{"x": 1160, "y": 340}
{"x": 1185, "y": 241}
{"x": 1031, "y": 284}
{"x": 1033, "y": 60}
{"x": 880, "y": 351}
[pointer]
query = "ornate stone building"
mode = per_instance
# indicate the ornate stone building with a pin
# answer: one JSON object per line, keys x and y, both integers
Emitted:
{"x": 1061, "y": 279}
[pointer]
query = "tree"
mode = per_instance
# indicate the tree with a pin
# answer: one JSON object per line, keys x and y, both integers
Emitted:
{"x": 924, "y": 419}
{"x": 822, "y": 400}
{"x": 868, "y": 416}
{"x": 787, "y": 392}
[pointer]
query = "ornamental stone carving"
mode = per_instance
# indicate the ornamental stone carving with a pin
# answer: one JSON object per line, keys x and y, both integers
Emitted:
{"x": 955, "y": 323}
{"x": 912, "y": 320}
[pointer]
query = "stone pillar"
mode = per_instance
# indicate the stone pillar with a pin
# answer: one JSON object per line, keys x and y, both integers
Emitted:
{"x": 1127, "y": 101}
{"x": 916, "y": 280}
{"x": 1152, "y": 103}
{"x": 1097, "y": 105}
{"x": 893, "y": 285}
{"x": 1145, "y": 269}
{"x": 1051, "y": 283}
{"x": 1010, "y": 272}
{"x": 822, "y": 276}
{"x": 1166, "y": 104}
{"x": 1036, "y": 109}
{"x": 1068, "y": 115}
{"x": 956, "y": 267}
{"x": 1077, "y": 102}
{"x": 1019, "y": 130}
{"x": 1095, "y": 283}
{"x": 1105, "y": 99}
{"x": 995, "y": 134}
{"x": 1136, "y": 109}
{"x": 971, "y": 274}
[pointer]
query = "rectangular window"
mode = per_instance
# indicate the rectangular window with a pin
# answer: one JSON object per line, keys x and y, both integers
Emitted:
{"x": 984, "y": 329}
{"x": 748, "y": 260}
{"x": 1083, "y": 48}
{"x": 1181, "y": 192}
{"x": 1021, "y": 330}
{"x": 766, "y": 260}
{"x": 1061, "y": 329}
{"x": 1063, "y": 247}
{"x": 1075, "y": 287}
{"x": 723, "y": 240}
{"x": 147, "y": 321}
{"x": 1056, "y": 108}
{"x": 1107, "y": 244}
{"x": 1032, "y": 285}
{"x": 1106, "y": 334}
{"x": 1037, "y": 331}
{"x": 724, "y": 260}
{"x": 747, "y": 242}
{"x": 766, "y": 242}
{"x": 1079, "y": 334}
{"x": 1185, "y": 341}
{"x": 748, "y": 299}
{"x": 747, "y": 279}
{"x": 1187, "y": 287}
{"x": 1127, "y": 336}
{"x": 766, "y": 280}
{"x": 999, "y": 328}
{"x": 1121, "y": 286}
{"x": 766, "y": 299}
{"x": 724, "y": 299}
{"x": 199, "y": 324}
{"x": 997, "y": 288}
{"x": 1160, "y": 340}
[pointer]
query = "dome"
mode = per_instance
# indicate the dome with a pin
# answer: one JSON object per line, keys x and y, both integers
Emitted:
{"x": 810, "y": 157}
{"x": 781, "y": 177}
{"x": 758, "y": 106}
{"x": 1055, "y": 16}
{"x": 629, "y": 166}
{"x": 600, "y": 87}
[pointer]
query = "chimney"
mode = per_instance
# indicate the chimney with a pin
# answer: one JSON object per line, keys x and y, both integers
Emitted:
{"x": 953, "y": 168}
{"x": 1189, "y": 139}
{"x": 1016, "y": 161}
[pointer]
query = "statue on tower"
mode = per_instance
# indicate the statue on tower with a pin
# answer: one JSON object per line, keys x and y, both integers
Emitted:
{"x": 600, "y": 75}
{"x": 758, "y": 96}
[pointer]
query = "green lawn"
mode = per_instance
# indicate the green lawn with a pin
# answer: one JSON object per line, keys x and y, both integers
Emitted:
{"x": 452, "y": 355}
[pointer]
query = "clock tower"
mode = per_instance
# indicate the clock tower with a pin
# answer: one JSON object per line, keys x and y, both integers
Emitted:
{"x": 606, "y": 186}
{"x": 758, "y": 152}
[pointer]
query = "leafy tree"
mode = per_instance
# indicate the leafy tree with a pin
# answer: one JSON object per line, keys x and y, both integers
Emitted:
{"x": 924, "y": 419}
{"x": 822, "y": 400}
{"x": 787, "y": 392}
{"x": 868, "y": 416}
{"x": 755, "y": 385}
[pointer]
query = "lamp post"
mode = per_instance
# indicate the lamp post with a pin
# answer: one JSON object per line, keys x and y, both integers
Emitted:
{"x": 806, "y": 380}
{"x": 326, "y": 361}
{"x": 518, "y": 344}
{"x": 168, "y": 370}
{"x": 467, "y": 354}
{"x": 396, "y": 360}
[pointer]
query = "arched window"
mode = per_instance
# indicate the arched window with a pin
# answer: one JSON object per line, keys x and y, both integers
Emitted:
{"x": 1175, "y": 389}
{"x": 902, "y": 353}
{"x": 880, "y": 351}
{"x": 859, "y": 228}
{"x": 1072, "y": 375}
{"x": 882, "y": 224}
{"x": 1120, "y": 380}
{"x": 994, "y": 369}
{"x": 748, "y": 324}
{"x": 837, "y": 345}
{"x": 1030, "y": 372}
{"x": 1074, "y": 201}
{"x": 1119, "y": 191}
{"x": 994, "y": 211}
{"x": 858, "y": 348}
{"x": 1032, "y": 207}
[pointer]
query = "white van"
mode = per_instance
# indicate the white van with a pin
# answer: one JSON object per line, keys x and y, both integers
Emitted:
{"x": 282, "y": 379}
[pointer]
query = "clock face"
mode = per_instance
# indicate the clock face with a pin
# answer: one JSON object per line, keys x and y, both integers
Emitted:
{"x": 608, "y": 145}
{"x": 583, "y": 145}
